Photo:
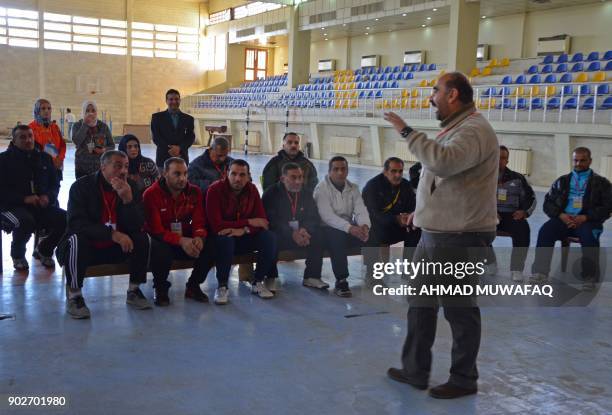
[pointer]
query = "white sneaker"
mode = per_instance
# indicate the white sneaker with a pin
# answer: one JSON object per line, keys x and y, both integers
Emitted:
{"x": 221, "y": 296}
{"x": 315, "y": 283}
{"x": 538, "y": 278}
{"x": 260, "y": 289}
{"x": 517, "y": 276}
{"x": 272, "y": 284}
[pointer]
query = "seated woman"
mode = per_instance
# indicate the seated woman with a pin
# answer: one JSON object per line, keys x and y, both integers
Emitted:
{"x": 141, "y": 169}
{"x": 47, "y": 134}
{"x": 92, "y": 138}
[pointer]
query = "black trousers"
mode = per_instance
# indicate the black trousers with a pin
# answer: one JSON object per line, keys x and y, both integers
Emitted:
{"x": 389, "y": 235}
{"x": 463, "y": 316}
{"x": 338, "y": 243}
{"x": 162, "y": 255}
{"x": 521, "y": 235}
{"x": 314, "y": 256}
{"x": 24, "y": 221}
{"x": 76, "y": 253}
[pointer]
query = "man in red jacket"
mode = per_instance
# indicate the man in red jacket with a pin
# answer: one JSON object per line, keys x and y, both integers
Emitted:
{"x": 239, "y": 225}
{"x": 176, "y": 221}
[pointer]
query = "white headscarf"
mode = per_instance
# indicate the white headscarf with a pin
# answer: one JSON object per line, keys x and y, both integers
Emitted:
{"x": 86, "y": 104}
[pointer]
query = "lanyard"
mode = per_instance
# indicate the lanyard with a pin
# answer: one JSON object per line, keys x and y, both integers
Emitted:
{"x": 222, "y": 172}
{"x": 239, "y": 207}
{"x": 455, "y": 126}
{"x": 174, "y": 203}
{"x": 577, "y": 183}
{"x": 390, "y": 205}
{"x": 294, "y": 204}
{"x": 107, "y": 207}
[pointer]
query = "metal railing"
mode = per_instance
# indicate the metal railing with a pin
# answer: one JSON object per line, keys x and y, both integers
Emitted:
{"x": 552, "y": 103}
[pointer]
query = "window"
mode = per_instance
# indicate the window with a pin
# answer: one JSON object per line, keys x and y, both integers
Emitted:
{"x": 164, "y": 41}
{"x": 252, "y": 9}
{"x": 19, "y": 27}
{"x": 255, "y": 64}
{"x": 218, "y": 17}
{"x": 219, "y": 52}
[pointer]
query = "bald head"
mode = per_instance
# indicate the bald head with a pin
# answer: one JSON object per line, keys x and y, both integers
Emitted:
{"x": 450, "y": 94}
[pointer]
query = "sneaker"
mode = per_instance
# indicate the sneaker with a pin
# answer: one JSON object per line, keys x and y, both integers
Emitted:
{"x": 342, "y": 288}
{"x": 517, "y": 276}
{"x": 588, "y": 286}
{"x": 538, "y": 278}
{"x": 21, "y": 264}
{"x": 272, "y": 284}
{"x": 46, "y": 261}
{"x": 161, "y": 298}
{"x": 136, "y": 299}
{"x": 77, "y": 308}
{"x": 221, "y": 296}
{"x": 194, "y": 292}
{"x": 315, "y": 283}
{"x": 260, "y": 289}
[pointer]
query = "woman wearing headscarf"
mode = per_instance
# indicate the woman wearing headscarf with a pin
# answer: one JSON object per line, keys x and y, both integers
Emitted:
{"x": 92, "y": 138}
{"x": 141, "y": 169}
{"x": 47, "y": 134}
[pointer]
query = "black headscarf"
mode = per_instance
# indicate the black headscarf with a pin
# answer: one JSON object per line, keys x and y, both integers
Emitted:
{"x": 135, "y": 162}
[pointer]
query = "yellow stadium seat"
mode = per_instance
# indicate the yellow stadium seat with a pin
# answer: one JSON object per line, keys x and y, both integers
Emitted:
{"x": 505, "y": 62}
{"x": 336, "y": 86}
{"x": 338, "y": 104}
{"x": 484, "y": 103}
{"x": 414, "y": 93}
{"x": 581, "y": 77}
{"x": 475, "y": 72}
{"x": 598, "y": 77}
{"x": 354, "y": 95}
{"x": 354, "y": 104}
{"x": 551, "y": 90}
{"x": 404, "y": 103}
{"x": 353, "y": 85}
{"x": 518, "y": 91}
{"x": 533, "y": 90}
{"x": 493, "y": 63}
{"x": 423, "y": 83}
{"x": 486, "y": 71}
{"x": 425, "y": 103}
{"x": 414, "y": 103}
{"x": 345, "y": 104}
{"x": 405, "y": 93}
{"x": 432, "y": 82}
{"x": 395, "y": 104}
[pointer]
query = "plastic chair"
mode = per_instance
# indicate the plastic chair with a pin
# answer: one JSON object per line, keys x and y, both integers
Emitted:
{"x": 506, "y": 80}
{"x": 570, "y": 104}
{"x": 537, "y": 104}
{"x": 431, "y": 67}
{"x": 586, "y": 90}
{"x": 562, "y": 67}
{"x": 547, "y": 59}
{"x": 504, "y": 104}
{"x": 603, "y": 89}
{"x": 486, "y": 71}
{"x": 550, "y": 79}
{"x": 553, "y": 103}
{"x": 505, "y": 62}
{"x": 608, "y": 56}
{"x": 594, "y": 66}
{"x": 588, "y": 104}
{"x": 475, "y": 71}
{"x": 598, "y": 77}
{"x": 535, "y": 79}
{"x": 607, "y": 104}
{"x": 593, "y": 56}
{"x": 566, "y": 77}
{"x": 577, "y": 67}
{"x": 578, "y": 57}
{"x": 546, "y": 69}
{"x": 581, "y": 77}
{"x": 608, "y": 66}
{"x": 520, "y": 79}
{"x": 562, "y": 58}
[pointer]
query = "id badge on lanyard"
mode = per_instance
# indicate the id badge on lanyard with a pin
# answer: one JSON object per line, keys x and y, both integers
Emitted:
{"x": 51, "y": 150}
{"x": 112, "y": 225}
{"x": 502, "y": 194}
{"x": 294, "y": 225}
{"x": 577, "y": 202}
{"x": 177, "y": 228}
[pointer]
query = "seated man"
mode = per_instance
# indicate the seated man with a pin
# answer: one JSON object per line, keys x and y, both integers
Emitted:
{"x": 515, "y": 203}
{"x": 238, "y": 225}
{"x": 175, "y": 219}
{"x": 578, "y": 204}
{"x": 105, "y": 221}
{"x": 391, "y": 201}
{"x": 210, "y": 166}
{"x": 290, "y": 153}
{"x": 293, "y": 217}
{"x": 344, "y": 217}
{"x": 28, "y": 198}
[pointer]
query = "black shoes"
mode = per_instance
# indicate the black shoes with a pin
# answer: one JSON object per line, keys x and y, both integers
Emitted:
{"x": 450, "y": 391}
{"x": 342, "y": 288}
{"x": 194, "y": 292}
{"x": 161, "y": 297}
{"x": 398, "y": 375}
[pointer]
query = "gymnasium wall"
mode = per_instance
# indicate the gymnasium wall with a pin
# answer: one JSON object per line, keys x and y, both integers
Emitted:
{"x": 513, "y": 36}
{"x": 128, "y": 85}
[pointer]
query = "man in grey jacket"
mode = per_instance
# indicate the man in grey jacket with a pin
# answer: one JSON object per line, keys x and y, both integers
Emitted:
{"x": 456, "y": 210}
{"x": 345, "y": 219}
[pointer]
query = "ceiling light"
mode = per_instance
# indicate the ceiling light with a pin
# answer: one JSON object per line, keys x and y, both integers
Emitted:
{"x": 376, "y": 19}
{"x": 344, "y": 24}
{"x": 324, "y": 34}
{"x": 322, "y": 28}
{"x": 428, "y": 18}
{"x": 404, "y": 14}
{"x": 368, "y": 28}
{"x": 423, "y": 25}
{"x": 483, "y": 17}
{"x": 366, "y": 33}
{"x": 435, "y": 10}
{"x": 326, "y": 39}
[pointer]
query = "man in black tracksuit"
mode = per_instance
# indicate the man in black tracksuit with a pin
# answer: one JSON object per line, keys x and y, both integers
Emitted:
{"x": 28, "y": 198}
{"x": 294, "y": 219}
{"x": 390, "y": 200}
{"x": 289, "y": 154}
{"x": 105, "y": 225}
{"x": 515, "y": 203}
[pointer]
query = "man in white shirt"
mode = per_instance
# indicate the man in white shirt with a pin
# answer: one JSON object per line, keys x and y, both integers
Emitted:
{"x": 345, "y": 219}
{"x": 69, "y": 119}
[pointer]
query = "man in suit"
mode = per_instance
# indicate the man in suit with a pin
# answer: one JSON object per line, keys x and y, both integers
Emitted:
{"x": 172, "y": 130}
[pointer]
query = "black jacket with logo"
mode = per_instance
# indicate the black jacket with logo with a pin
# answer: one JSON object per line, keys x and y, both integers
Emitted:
{"x": 378, "y": 194}
{"x": 273, "y": 171}
{"x": 519, "y": 194}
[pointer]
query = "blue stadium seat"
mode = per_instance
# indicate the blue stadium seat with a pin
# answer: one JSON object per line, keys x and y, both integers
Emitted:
{"x": 608, "y": 66}
{"x": 567, "y": 90}
{"x": 566, "y": 77}
{"x": 359, "y": 85}
{"x": 570, "y": 103}
{"x": 397, "y": 69}
{"x": 537, "y": 104}
{"x": 603, "y": 89}
{"x": 535, "y": 79}
{"x": 594, "y": 66}
{"x": 534, "y": 69}
{"x": 521, "y": 103}
{"x": 562, "y": 58}
{"x": 375, "y": 85}
{"x": 488, "y": 92}
{"x": 387, "y": 69}
{"x": 374, "y": 77}
{"x": 562, "y": 67}
{"x": 370, "y": 94}
{"x": 550, "y": 79}
{"x": 357, "y": 78}
{"x": 607, "y": 56}
{"x": 423, "y": 67}
{"x": 379, "y": 94}
{"x": 520, "y": 79}
{"x": 577, "y": 67}
{"x": 358, "y": 71}
{"x": 308, "y": 87}
{"x": 593, "y": 56}
{"x": 607, "y": 104}
{"x": 504, "y": 91}
{"x": 578, "y": 57}
{"x": 506, "y": 80}
{"x": 408, "y": 75}
{"x": 553, "y": 103}
{"x": 588, "y": 103}
{"x": 548, "y": 59}
{"x": 395, "y": 84}
{"x": 505, "y": 103}
{"x": 431, "y": 67}
{"x": 380, "y": 70}
{"x": 362, "y": 94}
{"x": 547, "y": 68}
{"x": 384, "y": 85}
{"x": 368, "y": 85}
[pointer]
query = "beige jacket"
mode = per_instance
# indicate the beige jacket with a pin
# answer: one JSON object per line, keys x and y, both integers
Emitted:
{"x": 458, "y": 184}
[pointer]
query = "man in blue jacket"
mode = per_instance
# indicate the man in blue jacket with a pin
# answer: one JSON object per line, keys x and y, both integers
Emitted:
{"x": 28, "y": 198}
{"x": 211, "y": 166}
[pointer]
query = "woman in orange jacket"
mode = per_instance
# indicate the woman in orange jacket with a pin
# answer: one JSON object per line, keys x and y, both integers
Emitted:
{"x": 47, "y": 134}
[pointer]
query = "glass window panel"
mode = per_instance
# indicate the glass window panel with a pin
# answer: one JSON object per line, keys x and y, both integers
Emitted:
{"x": 57, "y": 45}
{"x": 113, "y": 50}
{"x": 85, "y": 48}
{"x": 188, "y": 38}
{"x": 188, "y": 30}
{"x": 2, "y": 21}
{"x": 113, "y": 32}
{"x": 142, "y": 44}
{"x": 218, "y": 17}
{"x": 187, "y": 47}
{"x": 113, "y": 41}
{"x": 261, "y": 74}
{"x": 165, "y": 36}
{"x": 85, "y": 20}
{"x": 3, "y": 31}
{"x": 26, "y": 43}
{"x": 249, "y": 75}
{"x": 220, "y": 52}
{"x": 142, "y": 26}
{"x": 165, "y": 45}
{"x": 148, "y": 53}
{"x": 165, "y": 54}
{"x": 28, "y": 14}
{"x": 84, "y": 39}
{"x": 28, "y": 24}
{"x": 58, "y": 36}
{"x": 2, "y": 11}
{"x": 58, "y": 27}
{"x": 3, "y": 40}
{"x": 85, "y": 30}
{"x": 23, "y": 33}
{"x": 188, "y": 56}
{"x": 142, "y": 35}
{"x": 250, "y": 58}
{"x": 261, "y": 59}
{"x": 166, "y": 28}
{"x": 54, "y": 17}
{"x": 121, "y": 24}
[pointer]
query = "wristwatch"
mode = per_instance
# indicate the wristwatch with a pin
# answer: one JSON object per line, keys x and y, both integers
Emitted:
{"x": 405, "y": 131}
{"x": 247, "y": 230}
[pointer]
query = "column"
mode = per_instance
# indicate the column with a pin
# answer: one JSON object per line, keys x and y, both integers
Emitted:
{"x": 463, "y": 35}
{"x": 299, "y": 51}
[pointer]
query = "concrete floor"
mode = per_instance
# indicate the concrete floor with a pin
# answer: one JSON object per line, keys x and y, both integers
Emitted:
{"x": 304, "y": 352}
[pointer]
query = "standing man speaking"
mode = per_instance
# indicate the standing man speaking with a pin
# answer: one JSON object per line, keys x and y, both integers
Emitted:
{"x": 172, "y": 131}
{"x": 456, "y": 210}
